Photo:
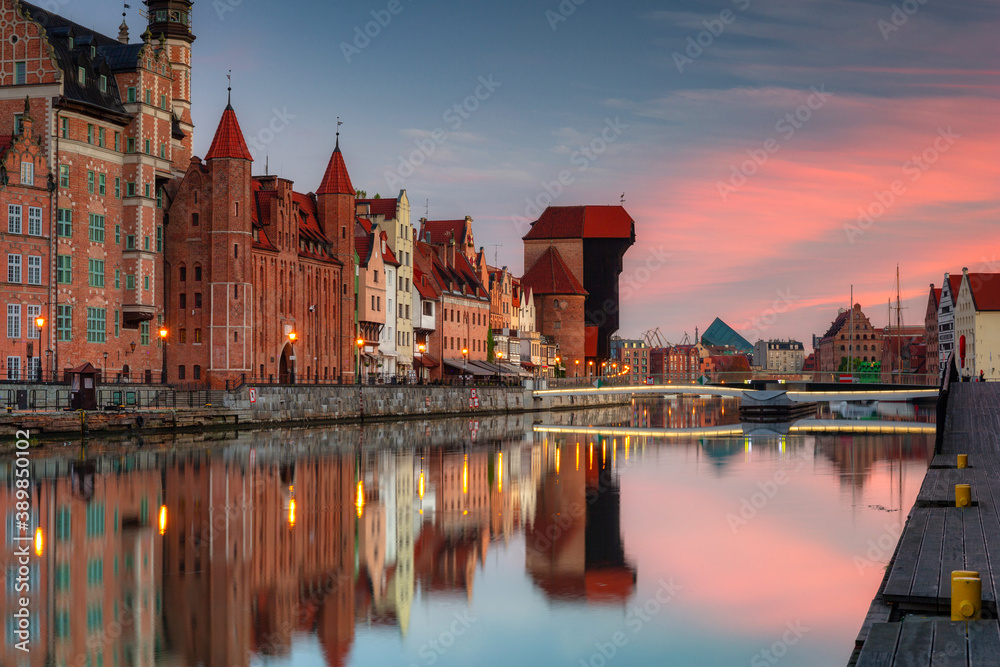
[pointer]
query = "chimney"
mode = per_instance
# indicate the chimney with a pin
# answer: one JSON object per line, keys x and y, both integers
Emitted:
{"x": 450, "y": 252}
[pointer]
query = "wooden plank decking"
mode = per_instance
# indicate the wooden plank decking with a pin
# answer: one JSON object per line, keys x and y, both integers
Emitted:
{"x": 939, "y": 538}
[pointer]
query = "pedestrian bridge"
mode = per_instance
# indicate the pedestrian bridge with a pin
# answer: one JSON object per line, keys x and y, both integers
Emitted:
{"x": 800, "y": 427}
{"x": 797, "y": 395}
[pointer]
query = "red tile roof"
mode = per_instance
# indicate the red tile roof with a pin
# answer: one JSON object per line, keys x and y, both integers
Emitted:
{"x": 550, "y": 275}
{"x": 424, "y": 285}
{"x": 985, "y": 291}
{"x": 229, "y": 141}
{"x": 388, "y": 256}
{"x": 336, "y": 180}
{"x": 591, "y": 222}
{"x": 442, "y": 230}
{"x": 382, "y": 206}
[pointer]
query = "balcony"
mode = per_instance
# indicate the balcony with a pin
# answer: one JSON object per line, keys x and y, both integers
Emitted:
{"x": 135, "y": 313}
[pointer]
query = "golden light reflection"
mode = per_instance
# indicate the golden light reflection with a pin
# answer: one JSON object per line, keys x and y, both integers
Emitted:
{"x": 500, "y": 472}
{"x": 604, "y": 452}
{"x": 39, "y": 542}
{"x": 578, "y": 456}
{"x": 590, "y": 457}
{"x": 162, "y": 522}
{"x": 420, "y": 485}
{"x": 557, "y": 459}
{"x": 465, "y": 475}
{"x": 360, "y": 502}
{"x": 291, "y": 513}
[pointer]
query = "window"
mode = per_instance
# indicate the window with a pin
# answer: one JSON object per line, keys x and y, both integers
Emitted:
{"x": 194, "y": 219}
{"x": 95, "y": 270}
{"x": 183, "y": 273}
{"x": 65, "y": 128}
{"x": 64, "y": 269}
{"x": 145, "y": 243}
{"x": 197, "y": 336}
{"x": 100, "y": 137}
{"x": 163, "y": 101}
{"x": 130, "y": 145}
{"x": 13, "y": 268}
{"x": 118, "y": 278}
{"x": 236, "y": 251}
{"x": 145, "y": 144}
{"x": 159, "y": 239}
{"x": 13, "y": 320}
{"x": 146, "y": 190}
{"x": 13, "y": 219}
{"x": 34, "y": 221}
{"x": 145, "y": 282}
{"x": 130, "y": 281}
{"x": 97, "y": 228}
{"x": 13, "y": 368}
{"x": 103, "y": 83}
{"x": 20, "y": 73}
{"x": 118, "y": 141}
{"x": 117, "y": 318}
{"x": 376, "y": 277}
{"x": 159, "y": 197}
{"x": 64, "y": 323}
{"x": 18, "y": 124}
{"x": 118, "y": 234}
{"x": 130, "y": 242}
{"x": 34, "y": 269}
{"x": 182, "y": 336}
{"x": 27, "y": 173}
{"x": 197, "y": 299}
{"x": 102, "y": 185}
{"x": 96, "y": 325}
{"x": 197, "y": 372}
{"x": 90, "y": 182}
{"x": 180, "y": 372}
{"x": 197, "y": 273}
{"x": 144, "y": 333}
{"x": 64, "y": 175}
{"x": 90, "y": 133}
{"x": 118, "y": 188}
{"x": 130, "y": 95}
{"x": 149, "y": 96}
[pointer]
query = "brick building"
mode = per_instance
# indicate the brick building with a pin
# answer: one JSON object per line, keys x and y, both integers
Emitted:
{"x": 259, "y": 276}
{"x": 587, "y": 244}
{"x": 839, "y": 344}
{"x": 113, "y": 121}
{"x": 931, "y": 330}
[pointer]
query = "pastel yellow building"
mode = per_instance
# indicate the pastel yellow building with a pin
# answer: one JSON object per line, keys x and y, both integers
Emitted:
{"x": 977, "y": 320}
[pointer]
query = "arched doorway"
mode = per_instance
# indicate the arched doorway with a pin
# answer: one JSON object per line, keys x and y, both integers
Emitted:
{"x": 286, "y": 365}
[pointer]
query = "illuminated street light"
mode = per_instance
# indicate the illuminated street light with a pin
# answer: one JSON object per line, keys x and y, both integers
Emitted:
{"x": 163, "y": 519}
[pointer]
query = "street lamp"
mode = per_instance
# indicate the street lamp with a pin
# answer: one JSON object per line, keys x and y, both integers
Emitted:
{"x": 292, "y": 338}
{"x": 577, "y": 368}
{"x": 40, "y": 323}
{"x": 104, "y": 368}
{"x": 499, "y": 367}
{"x": 590, "y": 369}
{"x": 360, "y": 342}
{"x": 163, "y": 344}
{"x": 465, "y": 363}
{"x": 558, "y": 359}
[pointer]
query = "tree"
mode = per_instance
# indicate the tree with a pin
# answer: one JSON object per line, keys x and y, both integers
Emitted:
{"x": 489, "y": 345}
{"x": 361, "y": 194}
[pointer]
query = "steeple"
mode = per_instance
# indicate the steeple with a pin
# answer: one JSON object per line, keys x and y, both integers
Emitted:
{"x": 336, "y": 180}
{"x": 229, "y": 142}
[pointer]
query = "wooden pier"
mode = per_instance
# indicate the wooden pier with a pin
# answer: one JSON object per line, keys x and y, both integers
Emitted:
{"x": 909, "y": 619}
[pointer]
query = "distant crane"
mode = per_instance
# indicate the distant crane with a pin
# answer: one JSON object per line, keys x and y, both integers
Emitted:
{"x": 655, "y": 338}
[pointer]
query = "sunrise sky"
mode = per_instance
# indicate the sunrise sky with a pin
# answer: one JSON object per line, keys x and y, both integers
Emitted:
{"x": 907, "y": 100}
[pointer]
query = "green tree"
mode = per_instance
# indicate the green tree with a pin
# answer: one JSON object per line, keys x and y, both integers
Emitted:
{"x": 361, "y": 194}
{"x": 489, "y": 345}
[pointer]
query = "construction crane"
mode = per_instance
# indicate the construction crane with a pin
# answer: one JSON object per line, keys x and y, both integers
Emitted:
{"x": 655, "y": 338}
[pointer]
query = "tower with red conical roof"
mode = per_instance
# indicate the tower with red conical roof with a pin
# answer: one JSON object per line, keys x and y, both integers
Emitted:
{"x": 336, "y": 208}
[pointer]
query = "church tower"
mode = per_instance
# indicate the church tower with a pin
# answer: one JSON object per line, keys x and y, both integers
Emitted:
{"x": 172, "y": 20}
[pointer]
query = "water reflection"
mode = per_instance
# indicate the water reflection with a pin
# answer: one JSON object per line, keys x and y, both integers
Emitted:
{"x": 317, "y": 546}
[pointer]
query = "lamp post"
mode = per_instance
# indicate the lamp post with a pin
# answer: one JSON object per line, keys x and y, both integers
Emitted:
{"x": 40, "y": 323}
{"x": 465, "y": 363}
{"x": 163, "y": 344}
{"x": 577, "y": 368}
{"x": 558, "y": 359}
{"x": 499, "y": 368}
{"x": 48, "y": 362}
{"x": 423, "y": 370}
{"x": 590, "y": 368}
{"x": 292, "y": 338}
{"x": 360, "y": 342}
{"x": 104, "y": 368}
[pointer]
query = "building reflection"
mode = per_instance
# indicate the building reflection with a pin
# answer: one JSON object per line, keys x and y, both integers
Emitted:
{"x": 573, "y": 547}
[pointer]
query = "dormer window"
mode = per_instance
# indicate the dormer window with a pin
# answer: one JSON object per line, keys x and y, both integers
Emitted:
{"x": 81, "y": 76}
{"x": 103, "y": 83}
{"x": 93, "y": 51}
{"x": 71, "y": 43}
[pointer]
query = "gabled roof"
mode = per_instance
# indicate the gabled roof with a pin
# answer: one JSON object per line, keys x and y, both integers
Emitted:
{"x": 985, "y": 288}
{"x": 229, "y": 142}
{"x": 336, "y": 180}
{"x": 590, "y": 222}
{"x": 382, "y": 206}
{"x": 441, "y": 231}
{"x": 388, "y": 256}
{"x": 364, "y": 242}
{"x": 550, "y": 275}
{"x": 935, "y": 296}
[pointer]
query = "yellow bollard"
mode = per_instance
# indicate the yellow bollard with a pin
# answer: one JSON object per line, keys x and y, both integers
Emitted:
{"x": 963, "y": 495}
{"x": 966, "y": 597}
{"x": 963, "y": 461}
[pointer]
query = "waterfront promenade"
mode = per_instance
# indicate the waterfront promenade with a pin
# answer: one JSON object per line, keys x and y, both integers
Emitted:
{"x": 909, "y": 622}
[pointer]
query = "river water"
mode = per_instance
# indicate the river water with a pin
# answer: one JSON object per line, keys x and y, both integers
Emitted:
{"x": 553, "y": 539}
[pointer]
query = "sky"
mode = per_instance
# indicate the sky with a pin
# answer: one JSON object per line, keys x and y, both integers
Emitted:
{"x": 773, "y": 153}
